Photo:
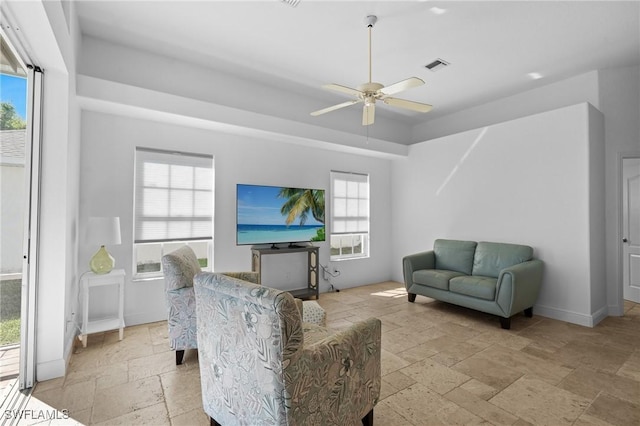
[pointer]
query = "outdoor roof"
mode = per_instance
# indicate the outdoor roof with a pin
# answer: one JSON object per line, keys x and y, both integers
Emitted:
{"x": 12, "y": 146}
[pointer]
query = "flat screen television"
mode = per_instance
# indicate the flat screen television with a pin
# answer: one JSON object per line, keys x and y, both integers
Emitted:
{"x": 274, "y": 214}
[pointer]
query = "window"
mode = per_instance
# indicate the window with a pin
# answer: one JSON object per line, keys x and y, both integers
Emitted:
{"x": 349, "y": 216}
{"x": 173, "y": 207}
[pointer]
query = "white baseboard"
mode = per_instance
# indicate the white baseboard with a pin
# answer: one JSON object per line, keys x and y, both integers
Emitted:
{"x": 599, "y": 315}
{"x": 616, "y": 310}
{"x": 50, "y": 369}
{"x": 572, "y": 317}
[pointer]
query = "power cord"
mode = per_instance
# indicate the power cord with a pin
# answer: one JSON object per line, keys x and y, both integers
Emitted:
{"x": 328, "y": 272}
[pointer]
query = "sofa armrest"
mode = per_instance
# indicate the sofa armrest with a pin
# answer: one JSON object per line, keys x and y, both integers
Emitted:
{"x": 415, "y": 262}
{"x": 344, "y": 365}
{"x": 518, "y": 286}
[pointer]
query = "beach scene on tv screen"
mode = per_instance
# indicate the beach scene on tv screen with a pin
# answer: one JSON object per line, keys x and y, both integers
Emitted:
{"x": 271, "y": 214}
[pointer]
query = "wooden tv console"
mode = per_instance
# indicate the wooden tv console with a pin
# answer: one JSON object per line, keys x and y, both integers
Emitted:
{"x": 313, "y": 262}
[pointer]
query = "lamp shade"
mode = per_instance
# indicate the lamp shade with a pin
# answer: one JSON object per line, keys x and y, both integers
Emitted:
{"x": 104, "y": 230}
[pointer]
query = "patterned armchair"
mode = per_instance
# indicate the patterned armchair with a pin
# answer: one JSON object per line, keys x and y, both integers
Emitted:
{"x": 260, "y": 365}
{"x": 311, "y": 311}
{"x": 180, "y": 266}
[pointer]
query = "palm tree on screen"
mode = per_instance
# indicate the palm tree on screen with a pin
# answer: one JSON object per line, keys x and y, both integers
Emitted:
{"x": 302, "y": 202}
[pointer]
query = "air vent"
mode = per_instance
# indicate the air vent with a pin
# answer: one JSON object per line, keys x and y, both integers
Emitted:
{"x": 436, "y": 65}
{"x": 292, "y": 3}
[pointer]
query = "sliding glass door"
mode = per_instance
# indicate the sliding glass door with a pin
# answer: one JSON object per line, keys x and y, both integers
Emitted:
{"x": 20, "y": 134}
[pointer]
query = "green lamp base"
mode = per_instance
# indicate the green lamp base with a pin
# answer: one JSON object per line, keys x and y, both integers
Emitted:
{"x": 102, "y": 262}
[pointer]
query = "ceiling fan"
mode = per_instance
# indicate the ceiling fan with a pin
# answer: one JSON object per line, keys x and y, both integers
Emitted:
{"x": 371, "y": 92}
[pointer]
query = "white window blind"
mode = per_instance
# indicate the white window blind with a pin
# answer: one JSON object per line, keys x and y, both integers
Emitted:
{"x": 173, "y": 196}
{"x": 349, "y": 203}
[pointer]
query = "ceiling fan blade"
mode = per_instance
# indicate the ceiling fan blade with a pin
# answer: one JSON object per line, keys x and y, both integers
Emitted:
{"x": 402, "y": 103}
{"x": 343, "y": 89}
{"x": 368, "y": 114}
{"x": 401, "y": 86}
{"x": 335, "y": 107}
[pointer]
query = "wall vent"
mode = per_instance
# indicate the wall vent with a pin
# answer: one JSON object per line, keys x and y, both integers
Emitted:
{"x": 436, "y": 65}
{"x": 292, "y": 3}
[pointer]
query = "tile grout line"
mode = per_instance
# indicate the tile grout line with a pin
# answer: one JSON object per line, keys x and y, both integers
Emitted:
{"x": 587, "y": 407}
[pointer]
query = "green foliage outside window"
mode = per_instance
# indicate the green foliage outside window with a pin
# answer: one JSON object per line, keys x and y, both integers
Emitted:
{"x": 9, "y": 118}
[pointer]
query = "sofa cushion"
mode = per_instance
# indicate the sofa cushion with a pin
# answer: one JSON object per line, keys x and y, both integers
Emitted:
{"x": 437, "y": 278}
{"x": 491, "y": 258}
{"x": 454, "y": 255}
{"x": 474, "y": 286}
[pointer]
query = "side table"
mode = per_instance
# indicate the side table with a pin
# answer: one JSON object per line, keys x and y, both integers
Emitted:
{"x": 91, "y": 280}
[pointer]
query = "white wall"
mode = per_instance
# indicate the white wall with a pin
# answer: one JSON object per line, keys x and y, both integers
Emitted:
{"x": 106, "y": 188}
{"x": 542, "y": 97}
{"x": 596, "y": 211}
{"x": 143, "y": 69}
{"x": 59, "y": 192}
{"x": 49, "y": 44}
{"x": 615, "y": 92}
{"x": 620, "y": 94}
{"x": 523, "y": 181}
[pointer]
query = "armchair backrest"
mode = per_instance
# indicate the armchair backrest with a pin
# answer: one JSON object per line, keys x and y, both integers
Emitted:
{"x": 247, "y": 335}
{"x": 179, "y": 267}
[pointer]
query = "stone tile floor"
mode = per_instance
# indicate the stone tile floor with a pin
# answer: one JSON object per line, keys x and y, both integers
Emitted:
{"x": 441, "y": 364}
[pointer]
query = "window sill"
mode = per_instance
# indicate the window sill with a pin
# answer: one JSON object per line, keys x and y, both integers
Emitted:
{"x": 141, "y": 279}
{"x": 342, "y": 259}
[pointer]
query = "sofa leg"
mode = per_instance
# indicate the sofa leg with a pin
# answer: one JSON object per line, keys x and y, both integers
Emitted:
{"x": 411, "y": 297}
{"x": 212, "y": 422}
{"x": 368, "y": 419}
{"x": 505, "y": 323}
{"x": 179, "y": 356}
{"x": 528, "y": 312}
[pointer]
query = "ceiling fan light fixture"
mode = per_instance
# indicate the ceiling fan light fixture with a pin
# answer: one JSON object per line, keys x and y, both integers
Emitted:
{"x": 369, "y": 92}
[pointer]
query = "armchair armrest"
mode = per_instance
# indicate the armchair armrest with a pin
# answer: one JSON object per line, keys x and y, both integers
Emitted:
{"x": 299, "y": 306}
{"x": 181, "y": 295}
{"x": 415, "y": 262}
{"x": 343, "y": 367}
{"x": 251, "y": 277}
{"x": 518, "y": 286}
{"x": 181, "y": 318}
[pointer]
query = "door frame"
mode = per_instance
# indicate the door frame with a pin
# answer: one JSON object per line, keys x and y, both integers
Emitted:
{"x": 28, "y": 311}
{"x": 620, "y": 231}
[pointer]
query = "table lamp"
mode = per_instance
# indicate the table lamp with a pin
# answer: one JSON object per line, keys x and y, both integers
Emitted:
{"x": 103, "y": 231}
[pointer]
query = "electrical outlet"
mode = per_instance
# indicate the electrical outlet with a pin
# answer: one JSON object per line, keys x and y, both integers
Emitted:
{"x": 71, "y": 321}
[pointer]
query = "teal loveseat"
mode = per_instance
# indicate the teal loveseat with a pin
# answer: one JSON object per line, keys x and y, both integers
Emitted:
{"x": 496, "y": 278}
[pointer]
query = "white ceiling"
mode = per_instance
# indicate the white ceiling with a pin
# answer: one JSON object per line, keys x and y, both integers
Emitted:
{"x": 491, "y": 46}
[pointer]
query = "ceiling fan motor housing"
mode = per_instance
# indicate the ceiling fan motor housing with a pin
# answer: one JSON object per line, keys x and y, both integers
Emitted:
{"x": 370, "y": 88}
{"x": 370, "y": 20}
